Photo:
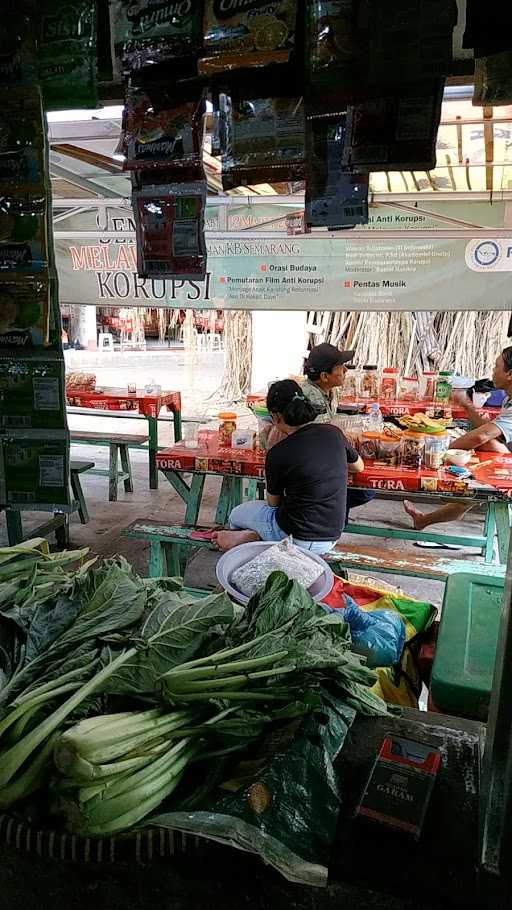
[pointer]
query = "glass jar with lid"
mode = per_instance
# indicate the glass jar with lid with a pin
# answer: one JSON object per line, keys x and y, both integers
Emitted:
{"x": 412, "y": 450}
{"x": 435, "y": 448}
{"x": 350, "y": 387}
{"x": 389, "y": 450}
{"x": 409, "y": 388}
{"x": 443, "y": 388}
{"x": 427, "y": 386}
{"x": 227, "y": 427}
{"x": 389, "y": 384}
{"x": 369, "y": 446}
{"x": 370, "y": 382}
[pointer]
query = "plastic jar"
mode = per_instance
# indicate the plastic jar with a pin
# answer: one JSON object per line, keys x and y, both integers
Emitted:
{"x": 443, "y": 388}
{"x": 412, "y": 450}
{"x": 369, "y": 446}
{"x": 389, "y": 384}
{"x": 389, "y": 450}
{"x": 351, "y": 382}
{"x": 427, "y": 386}
{"x": 435, "y": 449}
{"x": 227, "y": 427}
{"x": 409, "y": 388}
{"x": 370, "y": 382}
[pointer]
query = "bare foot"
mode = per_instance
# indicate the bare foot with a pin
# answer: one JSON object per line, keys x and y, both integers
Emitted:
{"x": 226, "y": 540}
{"x": 418, "y": 518}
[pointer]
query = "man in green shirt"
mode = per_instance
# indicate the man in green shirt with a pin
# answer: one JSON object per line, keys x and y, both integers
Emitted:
{"x": 325, "y": 370}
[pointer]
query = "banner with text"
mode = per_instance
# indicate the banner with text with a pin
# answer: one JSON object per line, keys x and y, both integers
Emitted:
{"x": 302, "y": 273}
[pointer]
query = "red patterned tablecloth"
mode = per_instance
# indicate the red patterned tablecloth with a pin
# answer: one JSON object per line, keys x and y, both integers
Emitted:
{"x": 111, "y": 399}
{"x": 208, "y": 458}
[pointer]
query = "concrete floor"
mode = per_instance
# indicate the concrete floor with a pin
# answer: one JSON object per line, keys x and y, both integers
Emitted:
{"x": 103, "y": 534}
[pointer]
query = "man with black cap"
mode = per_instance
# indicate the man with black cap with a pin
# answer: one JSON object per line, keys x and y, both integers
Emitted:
{"x": 325, "y": 370}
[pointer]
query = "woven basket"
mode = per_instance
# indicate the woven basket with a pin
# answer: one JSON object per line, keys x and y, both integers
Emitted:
{"x": 148, "y": 845}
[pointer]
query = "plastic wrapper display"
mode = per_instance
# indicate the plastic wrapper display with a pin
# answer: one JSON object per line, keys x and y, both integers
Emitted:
{"x": 493, "y": 79}
{"x": 32, "y": 393}
{"x": 34, "y": 467}
{"x": 170, "y": 230}
{"x": 67, "y": 53}
{"x": 23, "y": 240}
{"x": 17, "y": 45}
{"x": 149, "y": 32}
{"x": 24, "y": 312}
{"x": 283, "y": 557}
{"x": 395, "y": 133}
{"x": 265, "y": 140}
{"x": 354, "y": 48}
{"x": 22, "y": 159}
{"x": 334, "y": 197}
{"x": 487, "y": 33}
{"x": 257, "y": 33}
{"x": 169, "y": 138}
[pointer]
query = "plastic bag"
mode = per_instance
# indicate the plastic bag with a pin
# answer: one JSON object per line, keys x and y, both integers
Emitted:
{"x": 379, "y": 636}
{"x": 283, "y": 557}
{"x": 286, "y": 809}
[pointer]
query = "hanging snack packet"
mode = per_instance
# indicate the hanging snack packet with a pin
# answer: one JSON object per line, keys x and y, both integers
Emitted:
{"x": 23, "y": 240}
{"x": 67, "y": 53}
{"x": 254, "y": 33}
{"x": 170, "y": 230}
{"x": 410, "y": 40}
{"x": 149, "y": 32}
{"x": 335, "y": 198}
{"x": 218, "y": 134}
{"x": 487, "y": 32}
{"x": 395, "y": 133}
{"x": 354, "y": 47}
{"x": 21, "y": 145}
{"x": 17, "y": 45}
{"x": 24, "y": 312}
{"x": 171, "y": 138}
{"x": 493, "y": 79}
{"x": 265, "y": 140}
{"x": 32, "y": 392}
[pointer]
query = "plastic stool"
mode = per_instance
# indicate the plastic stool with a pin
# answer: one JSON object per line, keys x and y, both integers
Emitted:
{"x": 105, "y": 341}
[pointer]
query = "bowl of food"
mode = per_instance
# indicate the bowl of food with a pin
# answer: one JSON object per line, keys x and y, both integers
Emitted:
{"x": 244, "y": 569}
{"x": 458, "y": 457}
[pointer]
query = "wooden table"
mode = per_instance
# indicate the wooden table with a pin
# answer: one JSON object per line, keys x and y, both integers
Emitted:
{"x": 490, "y": 491}
{"x": 148, "y": 405}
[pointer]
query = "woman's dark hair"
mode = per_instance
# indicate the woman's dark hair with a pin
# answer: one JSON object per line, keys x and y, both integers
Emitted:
{"x": 507, "y": 358}
{"x": 287, "y": 399}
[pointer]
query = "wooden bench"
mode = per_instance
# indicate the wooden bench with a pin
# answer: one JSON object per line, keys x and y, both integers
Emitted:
{"x": 59, "y": 523}
{"x": 169, "y": 546}
{"x": 119, "y": 445}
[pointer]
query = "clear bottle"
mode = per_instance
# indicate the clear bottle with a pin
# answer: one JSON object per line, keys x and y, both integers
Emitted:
{"x": 375, "y": 421}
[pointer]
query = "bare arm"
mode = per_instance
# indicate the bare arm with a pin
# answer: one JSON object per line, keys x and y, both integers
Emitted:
{"x": 273, "y": 500}
{"x": 356, "y": 466}
{"x": 462, "y": 400}
{"x": 477, "y": 437}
